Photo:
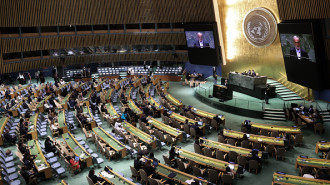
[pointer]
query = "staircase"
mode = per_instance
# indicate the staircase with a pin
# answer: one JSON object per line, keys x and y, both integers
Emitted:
{"x": 274, "y": 114}
{"x": 326, "y": 115}
{"x": 283, "y": 92}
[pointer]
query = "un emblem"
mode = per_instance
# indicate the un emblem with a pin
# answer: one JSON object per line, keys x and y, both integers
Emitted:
{"x": 260, "y": 27}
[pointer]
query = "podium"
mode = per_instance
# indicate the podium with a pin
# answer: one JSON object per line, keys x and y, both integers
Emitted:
{"x": 222, "y": 92}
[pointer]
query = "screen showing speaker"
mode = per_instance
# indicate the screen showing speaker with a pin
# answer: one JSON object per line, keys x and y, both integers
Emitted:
{"x": 203, "y": 47}
{"x": 299, "y": 53}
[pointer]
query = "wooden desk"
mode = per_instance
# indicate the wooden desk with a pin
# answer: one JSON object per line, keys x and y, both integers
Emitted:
{"x": 3, "y": 123}
{"x": 146, "y": 138}
{"x": 32, "y": 128}
{"x": 159, "y": 107}
{"x": 87, "y": 112}
{"x": 111, "y": 141}
{"x": 205, "y": 161}
{"x": 117, "y": 179}
{"x": 227, "y": 148}
{"x": 271, "y": 128}
{"x": 165, "y": 128}
{"x": 135, "y": 109}
{"x": 40, "y": 105}
{"x": 322, "y": 146}
{"x": 61, "y": 121}
{"x": 40, "y": 161}
{"x": 65, "y": 100}
{"x": 108, "y": 95}
{"x": 174, "y": 101}
{"x": 181, "y": 177}
{"x": 312, "y": 162}
{"x": 77, "y": 149}
{"x": 182, "y": 119}
{"x": 254, "y": 138}
{"x": 306, "y": 119}
{"x": 296, "y": 180}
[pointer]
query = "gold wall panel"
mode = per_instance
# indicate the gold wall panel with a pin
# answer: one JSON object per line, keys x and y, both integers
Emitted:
{"x": 15, "y": 13}
{"x": 27, "y": 65}
{"x": 303, "y": 9}
{"x": 240, "y": 54}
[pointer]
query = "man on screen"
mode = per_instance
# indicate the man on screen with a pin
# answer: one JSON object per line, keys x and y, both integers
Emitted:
{"x": 200, "y": 43}
{"x": 297, "y": 52}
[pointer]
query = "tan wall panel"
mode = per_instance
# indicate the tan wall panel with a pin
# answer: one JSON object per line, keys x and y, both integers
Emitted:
{"x": 303, "y": 9}
{"x": 87, "y": 12}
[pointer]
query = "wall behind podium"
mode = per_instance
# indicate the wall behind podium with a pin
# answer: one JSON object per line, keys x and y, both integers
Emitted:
{"x": 240, "y": 54}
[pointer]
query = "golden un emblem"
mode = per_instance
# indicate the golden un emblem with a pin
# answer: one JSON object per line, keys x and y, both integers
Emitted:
{"x": 260, "y": 27}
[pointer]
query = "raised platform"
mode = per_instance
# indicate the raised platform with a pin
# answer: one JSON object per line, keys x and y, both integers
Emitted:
{"x": 246, "y": 105}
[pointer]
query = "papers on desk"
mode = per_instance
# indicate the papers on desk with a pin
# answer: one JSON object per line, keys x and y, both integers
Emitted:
{"x": 75, "y": 148}
{"x": 37, "y": 161}
{"x": 200, "y": 123}
{"x": 231, "y": 166}
{"x": 190, "y": 181}
{"x": 82, "y": 155}
{"x": 260, "y": 140}
{"x": 107, "y": 175}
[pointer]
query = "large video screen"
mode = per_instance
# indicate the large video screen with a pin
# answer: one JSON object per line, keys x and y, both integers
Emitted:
{"x": 299, "y": 53}
{"x": 298, "y": 46}
{"x": 200, "y": 39}
{"x": 202, "y": 46}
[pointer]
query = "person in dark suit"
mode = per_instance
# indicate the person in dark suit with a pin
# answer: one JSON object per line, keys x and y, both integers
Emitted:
{"x": 297, "y": 52}
{"x": 200, "y": 43}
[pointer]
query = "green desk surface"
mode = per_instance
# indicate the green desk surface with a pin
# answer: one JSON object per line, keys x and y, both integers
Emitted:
{"x": 182, "y": 119}
{"x": 114, "y": 143}
{"x": 291, "y": 179}
{"x": 164, "y": 171}
{"x": 111, "y": 110}
{"x": 108, "y": 94}
{"x": 41, "y": 103}
{"x": 87, "y": 111}
{"x": 33, "y": 122}
{"x": 313, "y": 162}
{"x": 40, "y": 161}
{"x": 75, "y": 146}
{"x": 3, "y": 122}
{"x": 152, "y": 101}
{"x": 117, "y": 179}
{"x": 254, "y": 138}
{"x": 133, "y": 107}
{"x": 323, "y": 146}
{"x": 226, "y": 147}
{"x": 173, "y": 100}
{"x": 207, "y": 161}
{"x": 286, "y": 129}
{"x": 66, "y": 98}
{"x": 88, "y": 95}
{"x": 137, "y": 132}
{"x": 162, "y": 126}
{"x": 204, "y": 114}
{"x": 61, "y": 119}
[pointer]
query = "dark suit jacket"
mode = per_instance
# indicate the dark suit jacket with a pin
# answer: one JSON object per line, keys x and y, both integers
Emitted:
{"x": 303, "y": 54}
{"x": 205, "y": 44}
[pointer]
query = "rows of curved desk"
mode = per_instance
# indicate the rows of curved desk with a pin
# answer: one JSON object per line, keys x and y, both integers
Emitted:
{"x": 133, "y": 107}
{"x": 322, "y": 146}
{"x": 77, "y": 149}
{"x": 206, "y": 161}
{"x": 312, "y": 162}
{"x": 254, "y": 138}
{"x": 40, "y": 161}
{"x": 146, "y": 138}
{"x": 165, "y": 128}
{"x": 61, "y": 121}
{"x": 277, "y": 128}
{"x": 111, "y": 141}
{"x": 182, "y": 119}
{"x": 173, "y": 100}
{"x": 152, "y": 101}
{"x": 285, "y": 179}
{"x": 227, "y": 148}
{"x": 180, "y": 177}
{"x": 114, "y": 178}
{"x": 65, "y": 100}
{"x": 112, "y": 112}
{"x": 40, "y": 105}
{"x": 3, "y": 123}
